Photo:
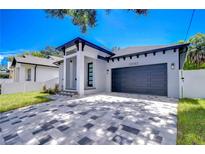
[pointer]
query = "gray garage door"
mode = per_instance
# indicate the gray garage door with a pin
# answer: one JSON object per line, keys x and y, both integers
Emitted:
{"x": 149, "y": 79}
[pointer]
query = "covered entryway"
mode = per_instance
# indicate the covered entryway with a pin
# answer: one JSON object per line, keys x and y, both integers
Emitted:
{"x": 147, "y": 79}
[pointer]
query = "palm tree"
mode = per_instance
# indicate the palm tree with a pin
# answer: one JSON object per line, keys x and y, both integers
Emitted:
{"x": 196, "y": 51}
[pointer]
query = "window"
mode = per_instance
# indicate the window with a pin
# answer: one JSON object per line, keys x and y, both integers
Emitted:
{"x": 90, "y": 74}
{"x": 28, "y": 75}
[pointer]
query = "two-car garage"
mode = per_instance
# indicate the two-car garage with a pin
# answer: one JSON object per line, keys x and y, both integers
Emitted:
{"x": 146, "y": 79}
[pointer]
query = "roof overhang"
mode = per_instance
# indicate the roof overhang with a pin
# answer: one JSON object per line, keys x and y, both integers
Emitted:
{"x": 78, "y": 40}
{"x": 178, "y": 46}
{"x": 14, "y": 61}
{"x": 58, "y": 62}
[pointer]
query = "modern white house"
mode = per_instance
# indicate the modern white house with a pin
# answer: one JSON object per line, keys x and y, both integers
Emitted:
{"x": 88, "y": 68}
{"x": 34, "y": 69}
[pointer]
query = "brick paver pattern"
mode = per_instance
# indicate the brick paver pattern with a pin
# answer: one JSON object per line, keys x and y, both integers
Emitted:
{"x": 101, "y": 119}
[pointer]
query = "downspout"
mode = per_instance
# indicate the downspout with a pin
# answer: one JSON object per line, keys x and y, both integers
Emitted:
{"x": 35, "y": 73}
{"x": 182, "y": 74}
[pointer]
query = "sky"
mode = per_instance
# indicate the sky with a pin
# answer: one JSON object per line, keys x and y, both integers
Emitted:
{"x": 29, "y": 30}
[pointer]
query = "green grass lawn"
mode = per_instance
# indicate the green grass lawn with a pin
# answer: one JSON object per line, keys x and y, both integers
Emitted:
{"x": 14, "y": 101}
{"x": 191, "y": 121}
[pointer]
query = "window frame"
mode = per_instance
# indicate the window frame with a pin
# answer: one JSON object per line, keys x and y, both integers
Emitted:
{"x": 88, "y": 74}
{"x": 28, "y": 77}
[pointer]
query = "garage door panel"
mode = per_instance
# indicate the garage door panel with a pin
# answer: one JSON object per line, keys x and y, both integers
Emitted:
{"x": 149, "y": 79}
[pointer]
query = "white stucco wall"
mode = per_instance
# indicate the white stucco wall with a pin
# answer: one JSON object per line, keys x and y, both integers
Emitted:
{"x": 43, "y": 73}
{"x": 99, "y": 79}
{"x": 22, "y": 72}
{"x": 91, "y": 52}
{"x": 99, "y": 70}
{"x": 27, "y": 86}
{"x": 193, "y": 84}
{"x": 102, "y": 69}
{"x": 61, "y": 75}
{"x": 169, "y": 57}
{"x": 46, "y": 73}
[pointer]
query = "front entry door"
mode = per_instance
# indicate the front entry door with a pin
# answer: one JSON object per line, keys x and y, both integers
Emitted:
{"x": 73, "y": 79}
{"x": 70, "y": 74}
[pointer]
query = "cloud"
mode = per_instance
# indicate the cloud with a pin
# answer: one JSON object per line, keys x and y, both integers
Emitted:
{"x": 13, "y": 52}
{"x": 7, "y": 53}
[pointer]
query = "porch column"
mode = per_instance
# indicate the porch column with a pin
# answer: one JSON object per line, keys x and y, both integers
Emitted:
{"x": 80, "y": 70}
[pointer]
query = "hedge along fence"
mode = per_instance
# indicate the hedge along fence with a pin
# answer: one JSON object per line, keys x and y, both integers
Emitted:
{"x": 27, "y": 86}
{"x": 192, "y": 83}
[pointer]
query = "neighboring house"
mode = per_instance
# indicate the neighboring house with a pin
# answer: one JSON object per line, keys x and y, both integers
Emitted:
{"x": 88, "y": 68}
{"x": 35, "y": 69}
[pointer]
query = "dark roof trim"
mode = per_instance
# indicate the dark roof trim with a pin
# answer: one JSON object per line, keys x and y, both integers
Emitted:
{"x": 58, "y": 62}
{"x": 154, "y": 51}
{"x": 37, "y": 64}
{"x": 85, "y": 42}
{"x": 13, "y": 63}
{"x": 103, "y": 58}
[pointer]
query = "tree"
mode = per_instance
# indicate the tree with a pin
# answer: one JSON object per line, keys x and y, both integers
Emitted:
{"x": 181, "y": 42}
{"x": 10, "y": 58}
{"x": 37, "y": 54}
{"x": 196, "y": 51}
{"x": 45, "y": 53}
{"x": 84, "y": 17}
{"x": 50, "y": 51}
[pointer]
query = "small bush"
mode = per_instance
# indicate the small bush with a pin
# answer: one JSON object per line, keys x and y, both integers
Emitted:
{"x": 4, "y": 76}
{"x": 51, "y": 91}
{"x": 45, "y": 90}
{"x": 56, "y": 88}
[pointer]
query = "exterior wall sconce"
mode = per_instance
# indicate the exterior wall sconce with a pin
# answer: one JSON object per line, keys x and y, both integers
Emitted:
{"x": 107, "y": 71}
{"x": 172, "y": 66}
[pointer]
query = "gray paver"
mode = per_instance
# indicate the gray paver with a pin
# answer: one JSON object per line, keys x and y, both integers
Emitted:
{"x": 110, "y": 118}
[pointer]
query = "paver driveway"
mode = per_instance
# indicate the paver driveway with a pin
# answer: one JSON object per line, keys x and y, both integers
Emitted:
{"x": 112, "y": 118}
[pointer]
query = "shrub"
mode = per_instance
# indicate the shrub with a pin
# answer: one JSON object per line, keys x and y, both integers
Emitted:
{"x": 4, "y": 76}
{"x": 51, "y": 91}
{"x": 56, "y": 88}
{"x": 45, "y": 90}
